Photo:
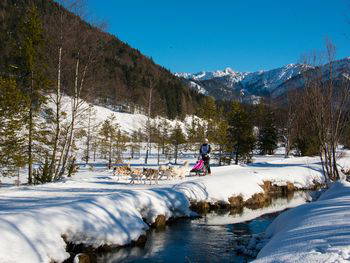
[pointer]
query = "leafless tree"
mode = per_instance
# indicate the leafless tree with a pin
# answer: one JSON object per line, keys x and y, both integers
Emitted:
{"x": 86, "y": 48}
{"x": 326, "y": 99}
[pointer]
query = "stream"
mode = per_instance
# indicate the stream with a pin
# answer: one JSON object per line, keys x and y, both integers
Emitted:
{"x": 210, "y": 238}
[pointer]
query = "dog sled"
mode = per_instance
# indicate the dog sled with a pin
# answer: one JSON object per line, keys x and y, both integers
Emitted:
{"x": 199, "y": 168}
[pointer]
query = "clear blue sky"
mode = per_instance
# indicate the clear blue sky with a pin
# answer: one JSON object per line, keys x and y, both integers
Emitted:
{"x": 246, "y": 35}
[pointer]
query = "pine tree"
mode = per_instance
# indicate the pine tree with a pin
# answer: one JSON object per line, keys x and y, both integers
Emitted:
{"x": 219, "y": 139}
{"x": 119, "y": 144}
{"x": 135, "y": 143}
{"x": 157, "y": 139}
{"x": 113, "y": 142}
{"x": 164, "y": 134}
{"x": 12, "y": 112}
{"x": 346, "y": 136}
{"x": 30, "y": 73}
{"x": 107, "y": 135}
{"x": 240, "y": 133}
{"x": 208, "y": 109}
{"x": 268, "y": 137}
{"x": 177, "y": 138}
{"x": 196, "y": 133}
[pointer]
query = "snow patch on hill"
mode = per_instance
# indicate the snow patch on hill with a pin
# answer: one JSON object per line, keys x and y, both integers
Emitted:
{"x": 128, "y": 122}
{"x": 198, "y": 88}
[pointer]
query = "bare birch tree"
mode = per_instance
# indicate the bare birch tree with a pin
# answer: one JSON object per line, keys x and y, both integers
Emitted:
{"x": 86, "y": 47}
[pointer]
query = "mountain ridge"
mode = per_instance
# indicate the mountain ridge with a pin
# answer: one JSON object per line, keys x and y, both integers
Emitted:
{"x": 250, "y": 86}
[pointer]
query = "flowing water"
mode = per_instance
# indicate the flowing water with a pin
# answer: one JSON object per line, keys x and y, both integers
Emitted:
{"x": 211, "y": 238}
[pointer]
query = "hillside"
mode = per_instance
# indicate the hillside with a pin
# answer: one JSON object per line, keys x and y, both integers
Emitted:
{"x": 121, "y": 75}
{"x": 249, "y": 86}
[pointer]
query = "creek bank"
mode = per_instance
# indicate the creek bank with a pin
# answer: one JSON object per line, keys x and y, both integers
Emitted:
{"x": 80, "y": 253}
{"x": 235, "y": 205}
{"x": 315, "y": 232}
{"x": 221, "y": 231}
{"x": 257, "y": 200}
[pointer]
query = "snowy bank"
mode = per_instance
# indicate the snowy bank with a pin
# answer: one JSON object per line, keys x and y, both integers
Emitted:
{"x": 36, "y": 235}
{"x": 314, "y": 232}
{"x": 95, "y": 209}
{"x": 245, "y": 181}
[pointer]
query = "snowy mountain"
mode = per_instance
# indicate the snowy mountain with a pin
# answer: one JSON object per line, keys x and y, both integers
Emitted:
{"x": 206, "y": 75}
{"x": 250, "y": 86}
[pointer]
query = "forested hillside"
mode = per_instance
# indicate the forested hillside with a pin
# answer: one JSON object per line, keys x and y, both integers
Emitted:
{"x": 114, "y": 73}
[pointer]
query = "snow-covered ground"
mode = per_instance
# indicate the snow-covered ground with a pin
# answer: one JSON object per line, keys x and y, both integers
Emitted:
{"x": 128, "y": 122}
{"x": 96, "y": 209}
{"x": 314, "y": 232}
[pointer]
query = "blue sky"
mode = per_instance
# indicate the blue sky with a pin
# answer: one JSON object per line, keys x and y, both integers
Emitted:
{"x": 246, "y": 35}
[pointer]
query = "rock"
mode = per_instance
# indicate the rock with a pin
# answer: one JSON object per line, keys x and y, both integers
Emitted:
{"x": 160, "y": 221}
{"x": 82, "y": 258}
{"x": 257, "y": 201}
{"x": 290, "y": 187}
{"x": 141, "y": 241}
{"x": 201, "y": 207}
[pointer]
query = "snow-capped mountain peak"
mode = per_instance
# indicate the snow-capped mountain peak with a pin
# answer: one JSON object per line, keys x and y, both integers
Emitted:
{"x": 229, "y": 84}
{"x": 206, "y": 75}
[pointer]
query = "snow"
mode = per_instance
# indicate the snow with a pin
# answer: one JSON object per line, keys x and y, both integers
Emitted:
{"x": 247, "y": 180}
{"x": 314, "y": 232}
{"x": 270, "y": 79}
{"x": 198, "y": 88}
{"x": 36, "y": 223}
{"x": 96, "y": 209}
{"x": 206, "y": 75}
{"x": 128, "y": 122}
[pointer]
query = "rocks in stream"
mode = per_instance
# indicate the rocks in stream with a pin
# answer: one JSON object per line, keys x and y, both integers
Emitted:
{"x": 82, "y": 258}
{"x": 235, "y": 204}
{"x": 258, "y": 201}
{"x": 249, "y": 246}
{"x": 200, "y": 207}
{"x": 160, "y": 222}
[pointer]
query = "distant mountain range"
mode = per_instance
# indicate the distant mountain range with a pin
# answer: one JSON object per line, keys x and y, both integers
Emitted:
{"x": 251, "y": 86}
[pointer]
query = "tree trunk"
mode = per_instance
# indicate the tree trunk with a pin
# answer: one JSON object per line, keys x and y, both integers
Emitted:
{"x": 236, "y": 159}
{"x": 30, "y": 143}
{"x": 58, "y": 109}
{"x": 149, "y": 123}
{"x": 74, "y": 112}
{"x": 88, "y": 138}
{"x": 176, "y": 149}
{"x": 132, "y": 151}
{"x": 287, "y": 148}
{"x": 110, "y": 154}
{"x": 158, "y": 148}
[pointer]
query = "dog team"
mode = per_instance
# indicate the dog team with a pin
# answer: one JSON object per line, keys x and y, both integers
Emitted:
{"x": 169, "y": 172}
{"x": 150, "y": 174}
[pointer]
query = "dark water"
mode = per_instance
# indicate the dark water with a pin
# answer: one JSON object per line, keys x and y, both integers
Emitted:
{"x": 211, "y": 238}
